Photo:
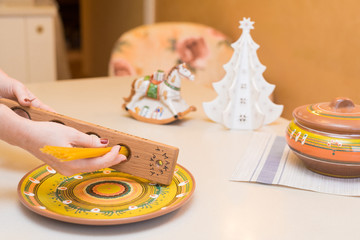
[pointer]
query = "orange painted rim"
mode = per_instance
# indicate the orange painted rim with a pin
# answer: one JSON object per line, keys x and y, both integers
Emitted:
{"x": 29, "y": 197}
{"x": 333, "y": 148}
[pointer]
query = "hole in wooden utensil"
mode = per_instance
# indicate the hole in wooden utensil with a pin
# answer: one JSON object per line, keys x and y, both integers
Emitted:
{"x": 92, "y": 133}
{"x": 159, "y": 163}
{"x": 123, "y": 147}
{"x": 21, "y": 112}
{"x": 57, "y": 121}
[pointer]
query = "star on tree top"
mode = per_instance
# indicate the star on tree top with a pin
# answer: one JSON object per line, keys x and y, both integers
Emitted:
{"x": 246, "y": 24}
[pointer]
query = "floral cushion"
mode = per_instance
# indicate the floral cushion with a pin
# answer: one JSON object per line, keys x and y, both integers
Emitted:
{"x": 146, "y": 49}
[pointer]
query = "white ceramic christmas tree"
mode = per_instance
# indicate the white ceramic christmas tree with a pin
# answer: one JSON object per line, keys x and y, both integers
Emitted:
{"x": 243, "y": 94}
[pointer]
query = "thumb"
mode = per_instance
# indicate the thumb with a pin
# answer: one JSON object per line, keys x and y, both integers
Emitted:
{"x": 90, "y": 141}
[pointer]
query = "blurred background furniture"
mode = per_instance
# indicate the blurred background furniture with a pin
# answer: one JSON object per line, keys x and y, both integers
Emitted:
{"x": 31, "y": 44}
{"x": 160, "y": 46}
{"x": 101, "y": 24}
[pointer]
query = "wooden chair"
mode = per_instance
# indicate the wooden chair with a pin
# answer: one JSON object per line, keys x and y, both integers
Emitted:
{"x": 148, "y": 48}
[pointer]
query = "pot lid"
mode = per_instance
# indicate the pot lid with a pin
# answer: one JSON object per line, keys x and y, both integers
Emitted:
{"x": 338, "y": 116}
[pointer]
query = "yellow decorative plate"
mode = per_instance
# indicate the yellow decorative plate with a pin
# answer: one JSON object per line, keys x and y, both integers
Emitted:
{"x": 104, "y": 197}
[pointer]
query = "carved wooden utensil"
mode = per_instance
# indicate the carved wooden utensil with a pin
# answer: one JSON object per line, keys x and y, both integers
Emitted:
{"x": 147, "y": 159}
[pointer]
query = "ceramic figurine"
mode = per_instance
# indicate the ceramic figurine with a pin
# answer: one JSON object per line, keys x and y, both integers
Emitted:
{"x": 243, "y": 94}
{"x": 156, "y": 98}
{"x": 326, "y": 137}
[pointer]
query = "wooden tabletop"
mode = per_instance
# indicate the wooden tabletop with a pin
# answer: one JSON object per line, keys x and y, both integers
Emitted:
{"x": 219, "y": 208}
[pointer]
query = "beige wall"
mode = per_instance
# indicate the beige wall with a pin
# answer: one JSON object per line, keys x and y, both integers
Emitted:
{"x": 311, "y": 48}
{"x": 102, "y": 22}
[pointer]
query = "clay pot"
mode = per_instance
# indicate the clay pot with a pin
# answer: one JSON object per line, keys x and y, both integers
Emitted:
{"x": 326, "y": 137}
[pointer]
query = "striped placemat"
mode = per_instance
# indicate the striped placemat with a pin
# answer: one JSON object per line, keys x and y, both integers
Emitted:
{"x": 269, "y": 160}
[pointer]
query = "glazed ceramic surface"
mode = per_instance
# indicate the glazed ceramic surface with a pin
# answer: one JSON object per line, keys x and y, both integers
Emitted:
{"x": 326, "y": 136}
{"x": 156, "y": 98}
{"x": 104, "y": 197}
{"x": 243, "y": 93}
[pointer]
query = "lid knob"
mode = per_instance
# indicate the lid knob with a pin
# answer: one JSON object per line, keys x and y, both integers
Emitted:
{"x": 342, "y": 104}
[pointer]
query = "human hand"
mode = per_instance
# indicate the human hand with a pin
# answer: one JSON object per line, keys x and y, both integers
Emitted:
{"x": 33, "y": 135}
{"x": 11, "y": 88}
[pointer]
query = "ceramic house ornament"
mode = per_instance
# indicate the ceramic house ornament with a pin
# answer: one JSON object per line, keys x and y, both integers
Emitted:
{"x": 156, "y": 98}
{"x": 243, "y": 94}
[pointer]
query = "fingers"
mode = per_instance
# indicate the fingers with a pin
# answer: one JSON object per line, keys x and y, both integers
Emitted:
{"x": 91, "y": 141}
{"x": 60, "y": 135}
{"x": 26, "y": 98}
{"x": 22, "y": 94}
{"x": 92, "y": 164}
{"x": 35, "y": 102}
{"x": 15, "y": 90}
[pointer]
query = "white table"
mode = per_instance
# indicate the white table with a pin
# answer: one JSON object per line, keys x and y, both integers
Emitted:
{"x": 219, "y": 209}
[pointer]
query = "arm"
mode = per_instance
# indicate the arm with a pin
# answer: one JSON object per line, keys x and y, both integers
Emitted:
{"x": 33, "y": 135}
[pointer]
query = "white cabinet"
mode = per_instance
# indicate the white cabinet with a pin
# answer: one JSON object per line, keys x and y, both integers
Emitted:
{"x": 27, "y": 42}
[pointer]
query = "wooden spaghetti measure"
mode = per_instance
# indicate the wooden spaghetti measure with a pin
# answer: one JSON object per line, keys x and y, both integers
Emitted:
{"x": 151, "y": 160}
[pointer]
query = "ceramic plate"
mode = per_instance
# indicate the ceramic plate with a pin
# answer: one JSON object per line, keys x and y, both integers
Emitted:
{"x": 104, "y": 197}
